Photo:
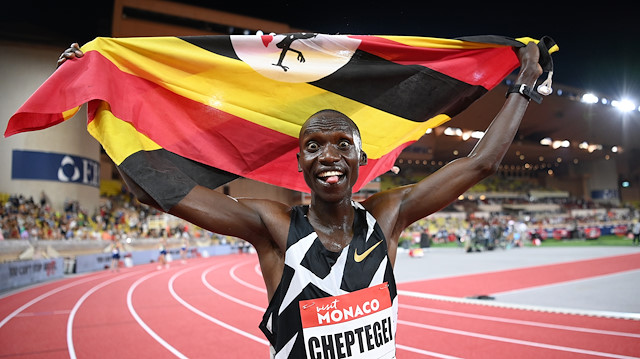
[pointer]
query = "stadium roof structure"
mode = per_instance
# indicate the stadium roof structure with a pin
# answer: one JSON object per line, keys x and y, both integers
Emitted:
{"x": 582, "y": 132}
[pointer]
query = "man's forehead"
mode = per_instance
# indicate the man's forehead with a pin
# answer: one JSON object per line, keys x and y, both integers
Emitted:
{"x": 328, "y": 125}
{"x": 329, "y": 120}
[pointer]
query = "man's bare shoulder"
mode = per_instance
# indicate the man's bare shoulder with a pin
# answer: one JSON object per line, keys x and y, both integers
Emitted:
{"x": 275, "y": 217}
{"x": 386, "y": 208}
{"x": 387, "y": 200}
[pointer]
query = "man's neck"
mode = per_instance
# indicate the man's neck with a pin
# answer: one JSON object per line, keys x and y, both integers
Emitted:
{"x": 333, "y": 222}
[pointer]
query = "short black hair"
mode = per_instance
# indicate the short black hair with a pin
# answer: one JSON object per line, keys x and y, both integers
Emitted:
{"x": 329, "y": 111}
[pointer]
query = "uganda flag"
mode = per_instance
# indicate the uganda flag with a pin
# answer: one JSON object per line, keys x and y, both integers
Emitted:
{"x": 173, "y": 112}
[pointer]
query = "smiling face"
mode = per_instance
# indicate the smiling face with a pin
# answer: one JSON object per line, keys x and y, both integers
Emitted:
{"x": 330, "y": 154}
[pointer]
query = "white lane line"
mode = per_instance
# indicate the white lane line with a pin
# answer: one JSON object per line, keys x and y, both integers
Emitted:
{"x": 74, "y": 310}
{"x": 514, "y": 341}
{"x": 261, "y": 309}
{"x": 142, "y": 323}
{"x": 38, "y": 314}
{"x": 256, "y": 268}
{"x": 425, "y": 352}
{"x": 225, "y": 295}
{"x": 535, "y": 308}
{"x": 519, "y": 322}
{"x": 207, "y": 316}
{"x": 46, "y": 295}
{"x": 248, "y": 285}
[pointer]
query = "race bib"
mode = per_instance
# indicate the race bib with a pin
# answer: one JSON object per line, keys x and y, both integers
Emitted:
{"x": 353, "y": 325}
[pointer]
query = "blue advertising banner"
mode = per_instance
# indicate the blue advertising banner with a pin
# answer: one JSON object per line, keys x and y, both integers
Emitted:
{"x": 21, "y": 273}
{"x": 59, "y": 167}
{"x": 606, "y": 194}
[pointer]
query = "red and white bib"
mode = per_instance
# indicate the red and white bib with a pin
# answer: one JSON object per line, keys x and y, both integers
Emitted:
{"x": 353, "y": 325}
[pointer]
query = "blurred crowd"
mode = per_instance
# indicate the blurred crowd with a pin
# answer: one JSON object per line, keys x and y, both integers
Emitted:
{"x": 121, "y": 216}
{"x": 118, "y": 217}
{"x": 500, "y": 230}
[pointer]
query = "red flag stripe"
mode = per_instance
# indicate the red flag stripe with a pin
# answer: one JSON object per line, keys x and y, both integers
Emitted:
{"x": 461, "y": 64}
{"x": 198, "y": 131}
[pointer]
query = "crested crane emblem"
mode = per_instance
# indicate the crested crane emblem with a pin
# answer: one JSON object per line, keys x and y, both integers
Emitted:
{"x": 285, "y": 45}
{"x": 295, "y": 58}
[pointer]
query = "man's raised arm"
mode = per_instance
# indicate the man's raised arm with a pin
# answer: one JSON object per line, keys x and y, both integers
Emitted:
{"x": 448, "y": 183}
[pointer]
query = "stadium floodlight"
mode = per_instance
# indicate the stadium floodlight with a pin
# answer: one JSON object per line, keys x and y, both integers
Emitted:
{"x": 624, "y": 105}
{"x": 594, "y": 147}
{"x": 450, "y": 131}
{"x": 477, "y": 134}
{"x": 557, "y": 144}
{"x": 546, "y": 141}
{"x": 590, "y": 98}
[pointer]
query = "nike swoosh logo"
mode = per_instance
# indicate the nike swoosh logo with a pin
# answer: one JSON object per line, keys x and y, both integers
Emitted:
{"x": 360, "y": 257}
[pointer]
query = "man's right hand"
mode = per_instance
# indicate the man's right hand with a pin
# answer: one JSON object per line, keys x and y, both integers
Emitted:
{"x": 70, "y": 53}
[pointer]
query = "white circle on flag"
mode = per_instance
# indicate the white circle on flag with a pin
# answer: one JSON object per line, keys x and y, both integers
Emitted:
{"x": 300, "y": 57}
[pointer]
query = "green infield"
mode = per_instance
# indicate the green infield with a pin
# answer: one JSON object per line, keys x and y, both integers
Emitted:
{"x": 608, "y": 240}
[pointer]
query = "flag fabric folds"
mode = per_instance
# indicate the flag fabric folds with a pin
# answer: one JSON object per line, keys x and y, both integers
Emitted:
{"x": 173, "y": 112}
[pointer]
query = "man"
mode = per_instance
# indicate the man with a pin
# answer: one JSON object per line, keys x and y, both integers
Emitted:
{"x": 325, "y": 265}
{"x": 636, "y": 232}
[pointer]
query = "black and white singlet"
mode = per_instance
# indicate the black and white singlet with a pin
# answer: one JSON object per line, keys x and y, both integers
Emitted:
{"x": 333, "y": 304}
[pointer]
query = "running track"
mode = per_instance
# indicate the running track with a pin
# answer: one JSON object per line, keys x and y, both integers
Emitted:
{"x": 211, "y": 307}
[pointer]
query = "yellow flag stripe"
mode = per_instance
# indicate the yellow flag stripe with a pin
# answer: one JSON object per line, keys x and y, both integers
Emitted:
{"x": 70, "y": 113}
{"x": 222, "y": 83}
{"x": 118, "y": 138}
{"x": 437, "y": 43}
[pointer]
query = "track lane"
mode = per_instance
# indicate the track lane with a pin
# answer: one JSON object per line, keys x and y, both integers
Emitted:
{"x": 245, "y": 287}
{"x": 36, "y": 329}
{"x": 469, "y": 344}
{"x": 103, "y": 324}
{"x": 235, "y": 316}
{"x": 587, "y": 343}
{"x": 188, "y": 306}
{"x": 17, "y": 302}
{"x": 527, "y": 333}
{"x": 186, "y": 315}
{"x": 522, "y": 278}
{"x": 541, "y": 314}
{"x": 249, "y": 272}
{"x": 503, "y": 319}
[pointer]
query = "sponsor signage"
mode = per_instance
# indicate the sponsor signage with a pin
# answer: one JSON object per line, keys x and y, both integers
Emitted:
{"x": 59, "y": 167}
{"x": 21, "y": 273}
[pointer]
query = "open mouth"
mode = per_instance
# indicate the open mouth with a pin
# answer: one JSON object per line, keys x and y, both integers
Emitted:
{"x": 330, "y": 176}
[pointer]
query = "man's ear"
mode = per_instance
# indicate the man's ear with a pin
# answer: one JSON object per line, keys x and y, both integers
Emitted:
{"x": 298, "y": 158}
{"x": 363, "y": 158}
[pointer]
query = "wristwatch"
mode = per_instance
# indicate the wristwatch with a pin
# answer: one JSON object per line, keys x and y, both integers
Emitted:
{"x": 526, "y": 91}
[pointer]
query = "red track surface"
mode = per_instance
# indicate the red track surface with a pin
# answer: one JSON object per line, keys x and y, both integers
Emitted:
{"x": 211, "y": 307}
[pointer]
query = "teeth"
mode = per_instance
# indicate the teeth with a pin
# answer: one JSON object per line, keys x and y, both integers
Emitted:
{"x": 330, "y": 173}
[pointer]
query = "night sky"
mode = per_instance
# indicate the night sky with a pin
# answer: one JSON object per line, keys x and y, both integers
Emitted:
{"x": 597, "y": 44}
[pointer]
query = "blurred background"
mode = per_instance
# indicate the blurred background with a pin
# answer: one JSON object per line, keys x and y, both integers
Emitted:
{"x": 574, "y": 162}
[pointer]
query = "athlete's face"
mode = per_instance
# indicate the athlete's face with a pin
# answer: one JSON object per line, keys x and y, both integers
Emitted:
{"x": 330, "y": 154}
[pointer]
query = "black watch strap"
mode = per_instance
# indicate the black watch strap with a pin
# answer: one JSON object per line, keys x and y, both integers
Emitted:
{"x": 526, "y": 91}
